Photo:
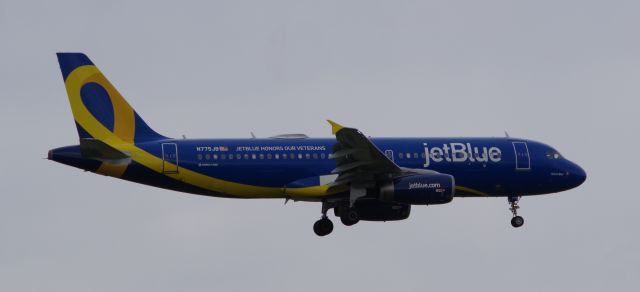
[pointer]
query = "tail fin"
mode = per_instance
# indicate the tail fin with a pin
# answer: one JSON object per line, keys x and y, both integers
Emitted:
{"x": 99, "y": 110}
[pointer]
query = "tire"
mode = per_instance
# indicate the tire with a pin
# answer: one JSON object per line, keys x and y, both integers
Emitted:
{"x": 323, "y": 227}
{"x": 517, "y": 221}
{"x": 350, "y": 217}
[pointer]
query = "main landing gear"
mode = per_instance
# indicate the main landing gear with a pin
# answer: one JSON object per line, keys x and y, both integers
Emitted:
{"x": 516, "y": 221}
{"x": 324, "y": 226}
{"x": 348, "y": 216}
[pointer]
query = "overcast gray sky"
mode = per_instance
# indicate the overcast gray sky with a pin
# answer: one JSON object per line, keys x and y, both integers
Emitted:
{"x": 563, "y": 72}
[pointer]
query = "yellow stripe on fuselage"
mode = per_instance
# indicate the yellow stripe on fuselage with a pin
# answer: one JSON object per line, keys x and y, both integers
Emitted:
{"x": 471, "y": 191}
{"x": 112, "y": 169}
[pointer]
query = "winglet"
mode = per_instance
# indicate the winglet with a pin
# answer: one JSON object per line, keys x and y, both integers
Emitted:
{"x": 335, "y": 127}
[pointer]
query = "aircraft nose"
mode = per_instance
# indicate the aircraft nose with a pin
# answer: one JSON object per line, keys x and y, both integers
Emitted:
{"x": 577, "y": 175}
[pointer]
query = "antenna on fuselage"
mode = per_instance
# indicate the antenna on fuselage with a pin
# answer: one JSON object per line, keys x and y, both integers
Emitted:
{"x": 253, "y": 136}
{"x": 184, "y": 137}
{"x": 506, "y": 134}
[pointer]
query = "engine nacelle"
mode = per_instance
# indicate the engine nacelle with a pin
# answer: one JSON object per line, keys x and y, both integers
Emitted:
{"x": 422, "y": 189}
{"x": 381, "y": 211}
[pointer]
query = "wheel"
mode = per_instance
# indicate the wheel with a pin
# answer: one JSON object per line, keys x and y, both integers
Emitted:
{"x": 323, "y": 227}
{"x": 517, "y": 221}
{"x": 350, "y": 217}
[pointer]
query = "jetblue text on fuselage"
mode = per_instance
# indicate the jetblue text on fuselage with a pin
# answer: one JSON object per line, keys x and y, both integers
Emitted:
{"x": 460, "y": 152}
{"x": 418, "y": 185}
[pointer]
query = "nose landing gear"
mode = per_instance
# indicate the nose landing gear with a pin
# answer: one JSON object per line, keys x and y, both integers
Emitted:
{"x": 516, "y": 221}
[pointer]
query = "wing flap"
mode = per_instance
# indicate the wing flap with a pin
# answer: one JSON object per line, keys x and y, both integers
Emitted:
{"x": 352, "y": 165}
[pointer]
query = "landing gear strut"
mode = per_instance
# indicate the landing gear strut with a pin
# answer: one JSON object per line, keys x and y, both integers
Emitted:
{"x": 516, "y": 221}
{"x": 324, "y": 226}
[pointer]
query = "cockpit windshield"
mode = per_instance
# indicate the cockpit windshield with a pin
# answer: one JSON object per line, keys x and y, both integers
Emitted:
{"x": 553, "y": 154}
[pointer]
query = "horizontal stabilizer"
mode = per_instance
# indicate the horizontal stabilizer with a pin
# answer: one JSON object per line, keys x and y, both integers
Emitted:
{"x": 93, "y": 148}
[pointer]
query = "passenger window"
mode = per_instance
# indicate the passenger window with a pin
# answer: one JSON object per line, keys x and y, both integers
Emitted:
{"x": 261, "y": 156}
{"x": 215, "y": 156}
{"x": 230, "y": 156}
{"x": 253, "y": 156}
{"x": 199, "y": 156}
{"x": 415, "y": 155}
{"x": 269, "y": 156}
{"x": 207, "y": 157}
{"x": 401, "y": 155}
{"x": 277, "y": 156}
{"x": 315, "y": 155}
{"x": 223, "y": 156}
{"x": 284, "y": 155}
{"x": 323, "y": 156}
{"x": 307, "y": 156}
{"x": 238, "y": 156}
{"x": 299, "y": 155}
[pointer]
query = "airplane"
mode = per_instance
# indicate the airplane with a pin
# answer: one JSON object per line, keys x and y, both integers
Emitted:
{"x": 359, "y": 177}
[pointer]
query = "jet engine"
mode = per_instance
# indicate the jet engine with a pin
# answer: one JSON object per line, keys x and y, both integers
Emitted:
{"x": 374, "y": 210}
{"x": 420, "y": 189}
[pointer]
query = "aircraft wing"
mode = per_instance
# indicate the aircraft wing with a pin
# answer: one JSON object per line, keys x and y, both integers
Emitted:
{"x": 357, "y": 158}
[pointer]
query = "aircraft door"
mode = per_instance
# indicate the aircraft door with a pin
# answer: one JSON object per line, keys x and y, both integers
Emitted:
{"x": 523, "y": 160}
{"x": 169, "y": 158}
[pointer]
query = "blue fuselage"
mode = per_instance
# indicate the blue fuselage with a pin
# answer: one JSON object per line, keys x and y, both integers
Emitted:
{"x": 480, "y": 166}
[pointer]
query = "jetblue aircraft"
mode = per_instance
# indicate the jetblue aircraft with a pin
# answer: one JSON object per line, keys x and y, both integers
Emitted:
{"x": 360, "y": 178}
